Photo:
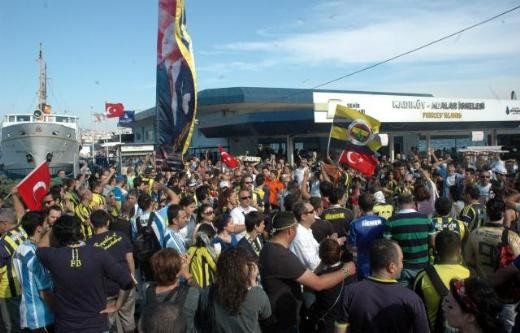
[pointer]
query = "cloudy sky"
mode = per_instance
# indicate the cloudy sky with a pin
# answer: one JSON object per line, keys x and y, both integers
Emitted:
{"x": 101, "y": 51}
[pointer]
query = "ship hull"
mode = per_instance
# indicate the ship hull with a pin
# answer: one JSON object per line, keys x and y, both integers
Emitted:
{"x": 25, "y": 145}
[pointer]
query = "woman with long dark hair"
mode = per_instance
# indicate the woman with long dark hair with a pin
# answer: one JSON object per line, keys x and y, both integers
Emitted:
{"x": 472, "y": 306}
{"x": 239, "y": 303}
{"x": 326, "y": 308}
{"x": 227, "y": 200}
{"x": 205, "y": 215}
{"x": 225, "y": 238}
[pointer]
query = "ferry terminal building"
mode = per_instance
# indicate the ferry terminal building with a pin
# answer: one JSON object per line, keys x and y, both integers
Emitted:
{"x": 244, "y": 118}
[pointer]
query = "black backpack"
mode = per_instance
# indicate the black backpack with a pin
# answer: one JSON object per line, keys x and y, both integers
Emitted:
{"x": 442, "y": 291}
{"x": 205, "y": 314}
{"x": 146, "y": 245}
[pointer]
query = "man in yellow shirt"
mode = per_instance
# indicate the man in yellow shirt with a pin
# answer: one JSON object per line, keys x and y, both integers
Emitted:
{"x": 13, "y": 235}
{"x": 448, "y": 248}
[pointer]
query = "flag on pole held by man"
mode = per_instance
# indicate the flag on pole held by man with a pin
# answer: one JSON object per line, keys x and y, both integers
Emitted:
{"x": 114, "y": 110}
{"x": 354, "y": 139}
{"x": 126, "y": 119}
{"x": 176, "y": 104}
{"x": 33, "y": 188}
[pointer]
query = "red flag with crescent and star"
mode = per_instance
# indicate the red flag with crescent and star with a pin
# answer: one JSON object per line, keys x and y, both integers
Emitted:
{"x": 33, "y": 188}
{"x": 229, "y": 160}
{"x": 114, "y": 110}
{"x": 364, "y": 163}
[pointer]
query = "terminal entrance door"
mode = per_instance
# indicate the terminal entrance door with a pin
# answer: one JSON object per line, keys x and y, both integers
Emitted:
{"x": 398, "y": 144}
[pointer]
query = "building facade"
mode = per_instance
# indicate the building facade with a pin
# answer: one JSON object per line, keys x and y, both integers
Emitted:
{"x": 244, "y": 118}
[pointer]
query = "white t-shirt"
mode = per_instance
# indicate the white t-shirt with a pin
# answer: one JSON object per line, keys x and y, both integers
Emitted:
{"x": 238, "y": 215}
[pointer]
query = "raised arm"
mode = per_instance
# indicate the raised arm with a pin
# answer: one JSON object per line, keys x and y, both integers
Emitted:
{"x": 17, "y": 203}
{"x": 174, "y": 198}
{"x": 326, "y": 281}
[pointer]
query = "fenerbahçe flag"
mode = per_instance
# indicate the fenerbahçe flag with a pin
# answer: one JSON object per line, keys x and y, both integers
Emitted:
{"x": 176, "y": 104}
{"x": 354, "y": 139}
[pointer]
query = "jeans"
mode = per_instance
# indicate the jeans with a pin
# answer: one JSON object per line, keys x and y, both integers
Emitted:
{"x": 10, "y": 314}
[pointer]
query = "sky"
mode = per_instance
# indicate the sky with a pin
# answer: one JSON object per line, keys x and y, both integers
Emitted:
{"x": 101, "y": 51}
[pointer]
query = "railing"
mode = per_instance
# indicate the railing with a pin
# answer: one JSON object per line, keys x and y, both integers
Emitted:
{"x": 25, "y": 118}
{"x": 22, "y": 172}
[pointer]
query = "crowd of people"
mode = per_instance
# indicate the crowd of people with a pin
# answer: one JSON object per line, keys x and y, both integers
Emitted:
{"x": 425, "y": 244}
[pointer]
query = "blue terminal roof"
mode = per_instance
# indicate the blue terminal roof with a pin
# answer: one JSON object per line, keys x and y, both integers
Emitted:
{"x": 273, "y": 95}
{"x": 243, "y": 111}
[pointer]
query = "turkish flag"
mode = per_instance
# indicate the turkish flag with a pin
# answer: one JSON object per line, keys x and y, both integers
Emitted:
{"x": 229, "y": 160}
{"x": 33, "y": 188}
{"x": 364, "y": 163}
{"x": 114, "y": 110}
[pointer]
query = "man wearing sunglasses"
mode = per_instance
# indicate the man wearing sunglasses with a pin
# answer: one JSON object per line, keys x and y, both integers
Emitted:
{"x": 239, "y": 213}
{"x": 304, "y": 245}
{"x": 484, "y": 185}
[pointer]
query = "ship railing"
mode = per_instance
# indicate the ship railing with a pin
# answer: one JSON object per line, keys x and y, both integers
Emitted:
{"x": 22, "y": 172}
{"x": 25, "y": 118}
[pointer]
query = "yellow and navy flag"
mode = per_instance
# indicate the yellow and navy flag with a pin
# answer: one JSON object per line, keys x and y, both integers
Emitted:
{"x": 176, "y": 105}
{"x": 352, "y": 130}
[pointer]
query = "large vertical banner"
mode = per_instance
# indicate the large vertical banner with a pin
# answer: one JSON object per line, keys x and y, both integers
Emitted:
{"x": 176, "y": 104}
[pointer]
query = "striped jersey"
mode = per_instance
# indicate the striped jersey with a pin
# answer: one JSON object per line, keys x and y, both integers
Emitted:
{"x": 34, "y": 312}
{"x": 10, "y": 241}
{"x": 411, "y": 229}
{"x": 83, "y": 212}
{"x": 98, "y": 201}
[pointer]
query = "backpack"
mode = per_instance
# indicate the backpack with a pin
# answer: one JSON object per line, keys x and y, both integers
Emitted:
{"x": 146, "y": 245}
{"x": 205, "y": 315}
{"x": 202, "y": 266}
{"x": 479, "y": 216}
{"x": 509, "y": 291}
{"x": 442, "y": 291}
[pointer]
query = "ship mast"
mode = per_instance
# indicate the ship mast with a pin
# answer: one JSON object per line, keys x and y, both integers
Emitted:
{"x": 42, "y": 91}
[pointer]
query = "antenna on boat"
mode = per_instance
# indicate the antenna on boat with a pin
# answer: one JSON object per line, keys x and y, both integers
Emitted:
{"x": 42, "y": 91}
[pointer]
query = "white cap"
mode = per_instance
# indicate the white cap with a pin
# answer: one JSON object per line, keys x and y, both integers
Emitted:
{"x": 379, "y": 197}
{"x": 500, "y": 170}
{"x": 224, "y": 184}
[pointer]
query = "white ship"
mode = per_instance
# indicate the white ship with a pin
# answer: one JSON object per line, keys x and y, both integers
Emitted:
{"x": 29, "y": 139}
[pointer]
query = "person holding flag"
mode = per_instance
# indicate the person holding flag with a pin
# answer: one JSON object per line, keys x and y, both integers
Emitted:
{"x": 32, "y": 192}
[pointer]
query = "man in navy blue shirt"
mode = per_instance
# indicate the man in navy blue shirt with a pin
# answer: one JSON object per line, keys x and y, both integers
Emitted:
{"x": 379, "y": 303}
{"x": 363, "y": 231}
{"x": 79, "y": 272}
{"x": 120, "y": 248}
